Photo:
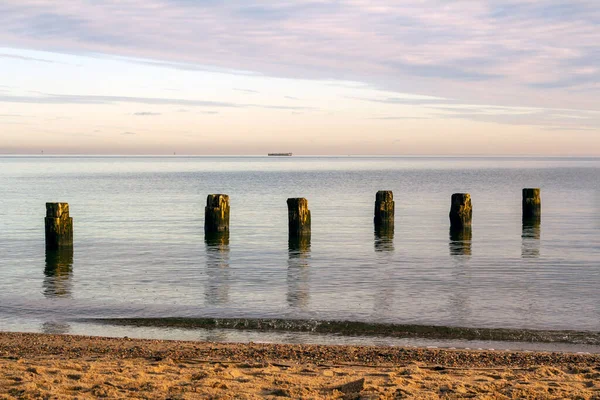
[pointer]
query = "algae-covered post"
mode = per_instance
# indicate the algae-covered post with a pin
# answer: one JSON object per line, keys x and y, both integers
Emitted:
{"x": 216, "y": 213}
{"x": 384, "y": 209}
{"x": 298, "y": 217}
{"x": 59, "y": 226}
{"x": 532, "y": 204}
{"x": 384, "y": 220}
{"x": 461, "y": 211}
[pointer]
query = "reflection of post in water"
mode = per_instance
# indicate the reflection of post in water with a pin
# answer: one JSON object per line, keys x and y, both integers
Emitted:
{"x": 597, "y": 211}
{"x": 459, "y": 298}
{"x": 530, "y": 246}
{"x": 217, "y": 267}
{"x": 384, "y": 238}
{"x": 216, "y": 336}
{"x": 55, "y": 328}
{"x": 298, "y": 270}
{"x": 460, "y": 241}
{"x": 58, "y": 271}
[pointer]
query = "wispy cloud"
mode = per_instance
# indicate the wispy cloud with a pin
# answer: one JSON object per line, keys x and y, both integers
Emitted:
{"x": 190, "y": 66}
{"x": 97, "y": 99}
{"x": 128, "y": 133}
{"x": 146, "y": 113}
{"x": 58, "y": 118}
{"x": 249, "y": 91}
{"x": 444, "y": 70}
{"x": 519, "y": 49}
{"x": 565, "y": 128}
{"x": 574, "y": 80}
{"x": 272, "y": 107}
{"x": 14, "y": 123}
{"x": 23, "y": 58}
{"x": 548, "y": 119}
{"x": 398, "y": 118}
{"x": 406, "y": 100}
{"x": 49, "y": 98}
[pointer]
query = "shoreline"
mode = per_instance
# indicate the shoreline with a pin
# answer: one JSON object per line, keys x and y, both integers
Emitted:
{"x": 360, "y": 329}
{"x": 22, "y": 344}
{"x": 88, "y": 367}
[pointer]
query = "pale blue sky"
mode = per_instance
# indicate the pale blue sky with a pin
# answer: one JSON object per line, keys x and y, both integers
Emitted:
{"x": 311, "y": 77}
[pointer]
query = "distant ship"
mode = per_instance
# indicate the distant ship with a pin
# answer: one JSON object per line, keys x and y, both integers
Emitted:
{"x": 280, "y": 154}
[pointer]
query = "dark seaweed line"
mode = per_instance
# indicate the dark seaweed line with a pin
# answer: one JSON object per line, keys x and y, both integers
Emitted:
{"x": 352, "y": 328}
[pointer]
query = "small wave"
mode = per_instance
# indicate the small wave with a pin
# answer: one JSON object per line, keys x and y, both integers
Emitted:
{"x": 356, "y": 328}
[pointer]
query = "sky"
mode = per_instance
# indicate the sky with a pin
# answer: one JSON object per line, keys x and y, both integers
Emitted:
{"x": 319, "y": 77}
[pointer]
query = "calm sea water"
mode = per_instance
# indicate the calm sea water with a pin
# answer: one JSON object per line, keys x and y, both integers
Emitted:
{"x": 140, "y": 249}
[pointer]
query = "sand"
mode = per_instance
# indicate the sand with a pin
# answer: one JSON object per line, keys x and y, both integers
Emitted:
{"x": 59, "y": 367}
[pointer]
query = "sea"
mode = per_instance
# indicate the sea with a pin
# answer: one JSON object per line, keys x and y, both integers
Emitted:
{"x": 140, "y": 250}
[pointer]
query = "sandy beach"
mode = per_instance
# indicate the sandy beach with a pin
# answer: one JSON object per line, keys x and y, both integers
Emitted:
{"x": 57, "y": 367}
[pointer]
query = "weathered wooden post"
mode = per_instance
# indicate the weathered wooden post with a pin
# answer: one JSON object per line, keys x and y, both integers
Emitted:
{"x": 216, "y": 213}
{"x": 384, "y": 209}
{"x": 298, "y": 217}
{"x": 384, "y": 220}
{"x": 461, "y": 214}
{"x": 532, "y": 204}
{"x": 59, "y": 226}
{"x": 299, "y": 244}
{"x": 216, "y": 239}
{"x": 461, "y": 211}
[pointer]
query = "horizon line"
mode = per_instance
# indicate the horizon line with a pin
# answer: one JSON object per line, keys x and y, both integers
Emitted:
{"x": 301, "y": 155}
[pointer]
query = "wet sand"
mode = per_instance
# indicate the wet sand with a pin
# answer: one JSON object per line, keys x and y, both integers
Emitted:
{"x": 57, "y": 367}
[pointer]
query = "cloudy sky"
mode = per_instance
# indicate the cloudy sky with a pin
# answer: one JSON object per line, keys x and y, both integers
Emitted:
{"x": 311, "y": 77}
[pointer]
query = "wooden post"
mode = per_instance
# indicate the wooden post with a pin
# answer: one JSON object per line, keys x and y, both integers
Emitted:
{"x": 384, "y": 220}
{"x": 532, "y": 204}
{"x": 461, "y": 211}
{"x": 298, "y": 244}
{"x": 216, "y": 213}
{"x": 59, "y": 226}
{"x": 216, "y": 239}
{"x": 298, "y": 217}
{"x": 532, "y": 217}
{"x": 384, "y": 209}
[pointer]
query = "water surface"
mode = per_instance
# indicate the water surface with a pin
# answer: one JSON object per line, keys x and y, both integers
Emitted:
{"x": 140, "y": 249}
